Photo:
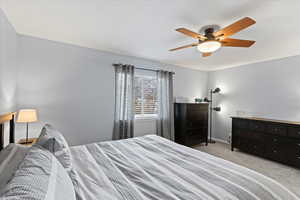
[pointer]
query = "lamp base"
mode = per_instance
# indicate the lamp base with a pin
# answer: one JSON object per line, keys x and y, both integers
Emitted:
{"x": 28, "y": 141}
{"x": 211, "y": 141}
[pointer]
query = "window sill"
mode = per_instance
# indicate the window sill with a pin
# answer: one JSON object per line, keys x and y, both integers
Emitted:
{"x": 145, "y": 117}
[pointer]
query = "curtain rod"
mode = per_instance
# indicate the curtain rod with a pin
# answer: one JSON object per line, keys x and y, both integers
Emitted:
{"x": 142, "y": 68}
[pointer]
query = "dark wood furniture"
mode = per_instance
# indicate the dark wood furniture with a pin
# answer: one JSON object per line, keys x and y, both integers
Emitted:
{"x": 191, "y": 123}
{"x": 10, "y": 119}
{"x": 273, "y": 139}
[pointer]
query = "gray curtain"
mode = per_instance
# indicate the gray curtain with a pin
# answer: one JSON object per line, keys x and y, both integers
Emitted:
{"x": 124, "y": 102}
{"x": 165, "y": 120}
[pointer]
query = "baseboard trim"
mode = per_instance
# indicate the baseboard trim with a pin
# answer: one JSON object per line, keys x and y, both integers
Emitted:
{"x": 220, "y": 140}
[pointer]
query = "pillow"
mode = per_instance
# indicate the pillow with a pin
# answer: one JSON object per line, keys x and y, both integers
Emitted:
{"x": 52, "y": 140}
{"x": 10, "y": 158}
{"x": 39, "y": 177}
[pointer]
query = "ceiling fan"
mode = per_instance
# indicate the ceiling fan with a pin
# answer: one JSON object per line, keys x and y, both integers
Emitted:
{"x": 213, "y": 40}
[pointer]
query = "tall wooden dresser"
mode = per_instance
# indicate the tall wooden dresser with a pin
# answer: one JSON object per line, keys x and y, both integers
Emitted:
{"x": 273, "y": 139}
{"x": 191, "y": 123}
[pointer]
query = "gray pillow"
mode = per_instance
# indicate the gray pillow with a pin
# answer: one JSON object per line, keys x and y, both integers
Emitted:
{"x": 10, "y": 158}
{"x": 39, "y": 177}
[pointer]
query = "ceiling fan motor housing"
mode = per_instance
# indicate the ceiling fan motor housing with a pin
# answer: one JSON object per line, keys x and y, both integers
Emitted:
{"x": 209, "y": 33}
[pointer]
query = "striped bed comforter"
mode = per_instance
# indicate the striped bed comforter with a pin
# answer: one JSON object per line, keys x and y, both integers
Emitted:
{"x": 153, "y": 168}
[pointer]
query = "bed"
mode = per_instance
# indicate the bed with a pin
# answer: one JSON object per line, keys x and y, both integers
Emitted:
{"x": 154, "y": 168}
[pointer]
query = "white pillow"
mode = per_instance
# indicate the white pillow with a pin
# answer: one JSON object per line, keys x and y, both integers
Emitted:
{"x": 39, "y": 177}
{"x": 54, "y": 141}
{"x": 10, "y": 158}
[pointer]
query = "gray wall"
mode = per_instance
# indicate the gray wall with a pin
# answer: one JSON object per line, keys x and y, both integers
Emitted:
{"x": 8, "y": 65}
{"x": 267, "y": 89}
{"x": 73, "y": 88}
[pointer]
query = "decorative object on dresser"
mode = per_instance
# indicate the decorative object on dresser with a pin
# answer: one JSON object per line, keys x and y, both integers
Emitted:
{"x": 191, "y": 123}
{"x": 198, "y": 100}
{"x": 27, "y": 116}
{"x": 273, "y": 139}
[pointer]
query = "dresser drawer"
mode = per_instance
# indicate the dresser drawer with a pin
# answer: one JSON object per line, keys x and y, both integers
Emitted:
{"x": 239, "y": 132}
{"x": 195, "y": 112}
{"x": 248, "y": 134}
{"x": 256, "y": 147}
{"x": 240, "y": 123}
{"x": 276, "y": 129}
{"x": 295, "y": 148}
{"x": 257, "y": 126}
{"x": 274, "y": 141}
{"x": 237, "y": 141}
{"x": 248, "y": 145}
{"x": 294, "y": 132}
{"x": 195, "y": 124}
{"x": 295, "y": 159}
{"x": 194, "y": 138}
{"x": 196, "y": 134}
{"x": 276, "y": 153}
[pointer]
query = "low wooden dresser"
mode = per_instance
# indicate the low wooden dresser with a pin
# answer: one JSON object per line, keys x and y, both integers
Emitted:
{"x": 191, "y": 123}
{"x": 273, "y": 139}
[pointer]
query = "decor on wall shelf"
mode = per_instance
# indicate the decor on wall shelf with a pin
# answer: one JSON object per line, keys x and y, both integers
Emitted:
{"x": 215, "y": 91}
{"x": 27, "y": 116}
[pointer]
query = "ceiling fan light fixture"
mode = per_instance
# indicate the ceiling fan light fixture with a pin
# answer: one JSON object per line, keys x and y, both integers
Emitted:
{"x": 209, "y": 46}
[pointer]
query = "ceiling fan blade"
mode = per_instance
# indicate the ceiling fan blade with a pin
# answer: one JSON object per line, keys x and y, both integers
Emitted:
{"x": 191, "y": 33}
{"x": 206, "y": 54}
{"x": 229, "y": 42}
{"x": 185, "y": 46}
{"x": 235, "y": 27}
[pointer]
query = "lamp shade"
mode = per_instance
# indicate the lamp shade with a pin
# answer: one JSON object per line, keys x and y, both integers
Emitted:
{"x": 209, "y": 46}
{"x": 27, "y": 115}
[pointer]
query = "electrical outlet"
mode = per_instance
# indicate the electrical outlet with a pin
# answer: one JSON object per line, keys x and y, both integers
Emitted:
{"x": 229, "y": 139}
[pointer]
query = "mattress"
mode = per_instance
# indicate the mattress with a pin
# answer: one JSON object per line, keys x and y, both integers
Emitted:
{"x": 154, "y": 168}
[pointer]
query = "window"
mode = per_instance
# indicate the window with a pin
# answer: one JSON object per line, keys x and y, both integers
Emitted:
{"x": 145, "y": 96}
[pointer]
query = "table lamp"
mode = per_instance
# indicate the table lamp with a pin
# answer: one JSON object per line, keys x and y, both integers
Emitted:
{"x": 27, "y": 116}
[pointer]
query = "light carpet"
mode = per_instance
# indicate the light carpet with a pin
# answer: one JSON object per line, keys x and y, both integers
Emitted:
{"x": 287, "y": 176}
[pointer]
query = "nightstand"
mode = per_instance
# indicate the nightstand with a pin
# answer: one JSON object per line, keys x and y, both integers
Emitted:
{"x": 30, "y": 142}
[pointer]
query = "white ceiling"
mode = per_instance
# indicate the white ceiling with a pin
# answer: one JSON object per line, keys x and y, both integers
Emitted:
{"x": 145, "y": 28}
